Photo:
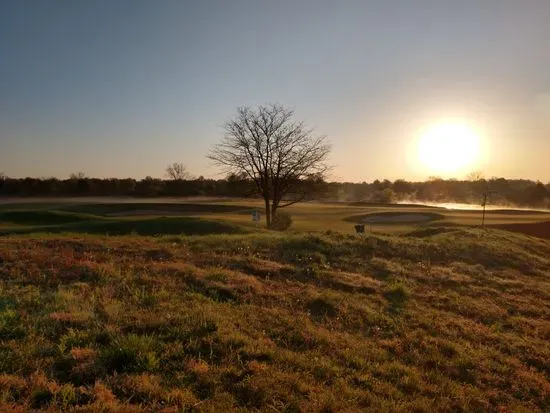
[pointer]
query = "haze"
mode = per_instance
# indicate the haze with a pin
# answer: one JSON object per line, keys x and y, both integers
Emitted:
{"x": 122, "y": 88}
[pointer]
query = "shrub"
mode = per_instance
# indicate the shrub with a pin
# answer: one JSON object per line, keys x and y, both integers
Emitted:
{"x": 281, "y": 221}
{"x": 40, "y": 398}
{"x": 11, "y": 387}
{"x": 130, "y": 354}
{"x": 66, "y": 396}
{"x": 397, "y": 294}
{"x": 9, "y": 325}
{"x": 73, "y": 338}
{"x": 321, "y": 307}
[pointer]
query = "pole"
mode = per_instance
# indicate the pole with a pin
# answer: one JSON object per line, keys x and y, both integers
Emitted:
{"x": 484, "y": 205}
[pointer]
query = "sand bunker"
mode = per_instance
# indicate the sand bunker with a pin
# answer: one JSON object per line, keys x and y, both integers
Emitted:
{"x": 395, "y": 218}
{"x": 404, "y": 218}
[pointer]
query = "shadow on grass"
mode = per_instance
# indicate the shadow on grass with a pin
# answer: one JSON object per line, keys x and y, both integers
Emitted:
{"x": 154, "y": 226}
{"x": 37, "y": 217}
{"x": 156, "y": 208}
{"x": 535, "y": 229}
{"x": 431, "y": 231}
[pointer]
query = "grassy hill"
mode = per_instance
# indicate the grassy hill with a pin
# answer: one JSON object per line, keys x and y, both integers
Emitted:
{"x": 439, "y": 319}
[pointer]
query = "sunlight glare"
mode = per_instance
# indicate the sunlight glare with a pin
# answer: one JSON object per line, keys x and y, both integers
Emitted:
{"x": 449, "y": 148}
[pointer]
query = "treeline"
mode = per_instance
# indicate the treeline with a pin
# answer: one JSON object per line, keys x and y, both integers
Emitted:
{"x": 501, "y": 191}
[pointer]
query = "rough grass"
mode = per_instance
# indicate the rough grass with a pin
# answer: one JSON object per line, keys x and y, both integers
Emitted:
{"x": 455, "y": 320}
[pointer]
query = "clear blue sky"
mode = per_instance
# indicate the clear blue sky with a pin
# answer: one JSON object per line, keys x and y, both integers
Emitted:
{"x": 122, "y": 88}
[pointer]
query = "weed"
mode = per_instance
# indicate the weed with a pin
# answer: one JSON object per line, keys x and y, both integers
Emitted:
{"x": 130, "y": 354}
{"x": 321, "y": 307}
{"x": 41, "y": 398}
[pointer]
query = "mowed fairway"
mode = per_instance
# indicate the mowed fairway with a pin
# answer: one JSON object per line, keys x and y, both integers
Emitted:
{"x": 189, "y": 306}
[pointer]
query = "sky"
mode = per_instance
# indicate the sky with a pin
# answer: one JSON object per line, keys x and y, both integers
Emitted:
{"x": 123, "y": 88}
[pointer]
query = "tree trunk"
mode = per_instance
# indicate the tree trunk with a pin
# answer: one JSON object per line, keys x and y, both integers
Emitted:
{"x": 274, "y": 207}
{"x": 267, "y": 213}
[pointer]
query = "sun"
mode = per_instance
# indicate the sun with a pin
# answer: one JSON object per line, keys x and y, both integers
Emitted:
{"x": 449, "y": 148}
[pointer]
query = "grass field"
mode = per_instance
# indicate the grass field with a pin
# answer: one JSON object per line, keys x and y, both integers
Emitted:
{"x": 190, "y": 307}
{"x": 160, "y": 216}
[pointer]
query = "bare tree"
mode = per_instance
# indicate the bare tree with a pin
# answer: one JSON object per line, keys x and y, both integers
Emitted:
{"x": 481, "y": 190}
{"x": 276, "y": 152}
{"x": 177, "y": 171}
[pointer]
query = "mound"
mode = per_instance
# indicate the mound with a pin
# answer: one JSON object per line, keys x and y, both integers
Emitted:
{"x": 536, "y": 229}
{"x": 40, "y": 217}
{"x": 153, "y": 226}
{"x": 395, "y": 218}
{"x": 429, "y": 232}
{"x": 129, "y": 209}
{"x": 161, "y": 226}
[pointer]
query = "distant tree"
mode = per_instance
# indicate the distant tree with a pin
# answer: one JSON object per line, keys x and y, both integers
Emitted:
{"x": 400, "y": 186}
{"x": 3, "y": 179}
{"x": 149, "y": 186}
{"x": 177, "y": 171}
{"x": 535, "y": 195}
{"x": 77, "y": 175}
{"x": 234, "y": 177}
{"x": 475, "y": 176}
{"x": 239, "y": 185}
{"x": 384, "y": 196}
{"x": 275, "y": 152}
{"x": 479, "y": 187}
{"x": 79, "y": 184}
{"x": 360, "y": 192}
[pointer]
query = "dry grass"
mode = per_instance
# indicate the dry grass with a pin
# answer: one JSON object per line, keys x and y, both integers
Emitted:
{"x": 454, "y": 320}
